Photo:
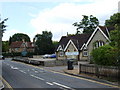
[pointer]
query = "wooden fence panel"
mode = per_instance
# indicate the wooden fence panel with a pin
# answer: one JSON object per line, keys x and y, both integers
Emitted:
{"x": 99, "y": 71}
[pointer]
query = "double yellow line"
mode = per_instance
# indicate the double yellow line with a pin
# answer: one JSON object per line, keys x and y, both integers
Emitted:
{"x": 113, "y": 86}
{"x": 7, "y": 85}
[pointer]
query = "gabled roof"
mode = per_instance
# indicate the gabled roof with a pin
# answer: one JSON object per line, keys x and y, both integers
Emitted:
{"x": 103, "y": 30}
{"x": 78, "y": 40}
{"x": 106, "y": 30}
{"x": 18, "y": 44}
{"x": 82, "y": 40}
{"x": 71, "y": 41}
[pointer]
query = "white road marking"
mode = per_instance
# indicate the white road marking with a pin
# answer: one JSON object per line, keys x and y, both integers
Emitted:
{"x": 37, "y": 77}
{"x": 41, "y": 71}
{"x": 115, "y": 86}
{"x": 49, "y": 83}
{"x": 7, "y": 64}
{"x": 36, "y": 71}
{"x": 11, "y": 66}
{"x": 33, "y": 69}
{"x": 14, "y": 67}
{"x": 22, "y": 71}
{"x": 62, "y": 85}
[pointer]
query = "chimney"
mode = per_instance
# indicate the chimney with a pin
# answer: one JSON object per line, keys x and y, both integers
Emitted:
{"x": 67, "y": 34}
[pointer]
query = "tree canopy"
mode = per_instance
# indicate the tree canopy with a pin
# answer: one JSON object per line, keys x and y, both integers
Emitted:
{"x": 5, "y": 46}
{"x": 43, "y": 43}
{"x": 110, "y": 54}
{"x": 2, "y": 24}
{"x": 114, "y": 19}
{"x": 88, "y": 24}
{"x": 19, "y": 37}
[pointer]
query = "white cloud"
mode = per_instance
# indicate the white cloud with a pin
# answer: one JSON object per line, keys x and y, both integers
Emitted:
{"x": 44, "y": 0}
{"x": 32, "y": 15}
{"x": 119, "y": 7}
{"x": 59, "y": 19}
{"x": 8, "y": 33}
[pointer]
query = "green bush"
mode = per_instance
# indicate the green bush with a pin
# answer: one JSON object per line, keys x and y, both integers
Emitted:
{"x": 105, "y": 55}
{"x": 7, "y": 54}
{"x": 14, "y": 54}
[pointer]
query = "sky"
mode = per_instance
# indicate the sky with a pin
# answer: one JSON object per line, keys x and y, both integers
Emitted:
{"x": 31, "y": 17}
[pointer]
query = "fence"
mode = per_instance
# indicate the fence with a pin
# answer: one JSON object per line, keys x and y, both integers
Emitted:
{"x": 108, "y": 72}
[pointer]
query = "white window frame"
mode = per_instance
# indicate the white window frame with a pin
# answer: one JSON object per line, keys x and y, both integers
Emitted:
{"x": 61, "y": 53}
{"x": 85, "y": 52}
{"x": 98, "y": 44}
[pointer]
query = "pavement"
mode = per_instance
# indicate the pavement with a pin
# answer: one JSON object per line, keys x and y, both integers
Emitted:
{"x": 61, "y": 69}
{"x": 75, "y": 72}
{"x": 20, "y": 75}
{"x": 1, "y": 83}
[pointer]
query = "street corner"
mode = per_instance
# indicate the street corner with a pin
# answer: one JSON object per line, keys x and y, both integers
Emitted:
{"x": 1, "y": 85}
{"x": 6, "y": 85}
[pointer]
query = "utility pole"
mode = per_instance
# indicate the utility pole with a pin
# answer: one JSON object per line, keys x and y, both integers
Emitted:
{"x": 1, "y": 34}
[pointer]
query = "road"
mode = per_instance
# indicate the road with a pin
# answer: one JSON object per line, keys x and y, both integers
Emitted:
{"x": 20, "y": 75}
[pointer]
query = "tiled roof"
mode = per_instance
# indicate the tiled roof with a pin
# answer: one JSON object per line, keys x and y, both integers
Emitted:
{"x": 78, "y": 40}
{"x": 104, "y": 29}
{"x": 18, "y": 44}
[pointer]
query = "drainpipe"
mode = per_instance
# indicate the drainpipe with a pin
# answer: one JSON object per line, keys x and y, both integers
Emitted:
{"x": 78, "y": 55}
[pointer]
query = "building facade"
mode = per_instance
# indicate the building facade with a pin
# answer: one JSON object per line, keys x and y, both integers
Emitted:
{"x": 79, "y": 47}
{"x": 20, "y": 46}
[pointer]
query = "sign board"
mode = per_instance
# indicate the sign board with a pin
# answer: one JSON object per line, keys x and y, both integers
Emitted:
{"x": 71, "y": 53}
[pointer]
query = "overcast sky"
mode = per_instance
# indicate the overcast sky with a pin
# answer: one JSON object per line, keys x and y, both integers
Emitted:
{"x": 34, "y": 16}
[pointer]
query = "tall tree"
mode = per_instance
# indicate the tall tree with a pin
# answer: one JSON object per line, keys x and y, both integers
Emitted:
{"x": 2, "y": 25}
{"x": 19, "y": 37}
{"x": 43, "y": 43}
{"x": 114, "y": 19}
{"x": 2, "y": 29}
{"x": 5, "y": 46}
{"x": 55, "y": 43}
{"x": 10, "y": 40}
{"x": 87, "y": 24}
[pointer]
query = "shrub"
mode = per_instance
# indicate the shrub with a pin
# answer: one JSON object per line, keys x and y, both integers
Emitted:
{"x": 105, "y": 55}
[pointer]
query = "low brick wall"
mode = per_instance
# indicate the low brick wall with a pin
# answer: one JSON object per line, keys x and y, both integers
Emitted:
{"x": 47, "y": 63}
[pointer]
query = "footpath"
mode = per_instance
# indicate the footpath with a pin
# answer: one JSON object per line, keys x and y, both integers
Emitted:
{"x": 75, "y": 72}
{"x": 64, "y": 69}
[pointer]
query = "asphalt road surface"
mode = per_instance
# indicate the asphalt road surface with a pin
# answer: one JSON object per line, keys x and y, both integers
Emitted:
{"x": 20, "y": 75}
